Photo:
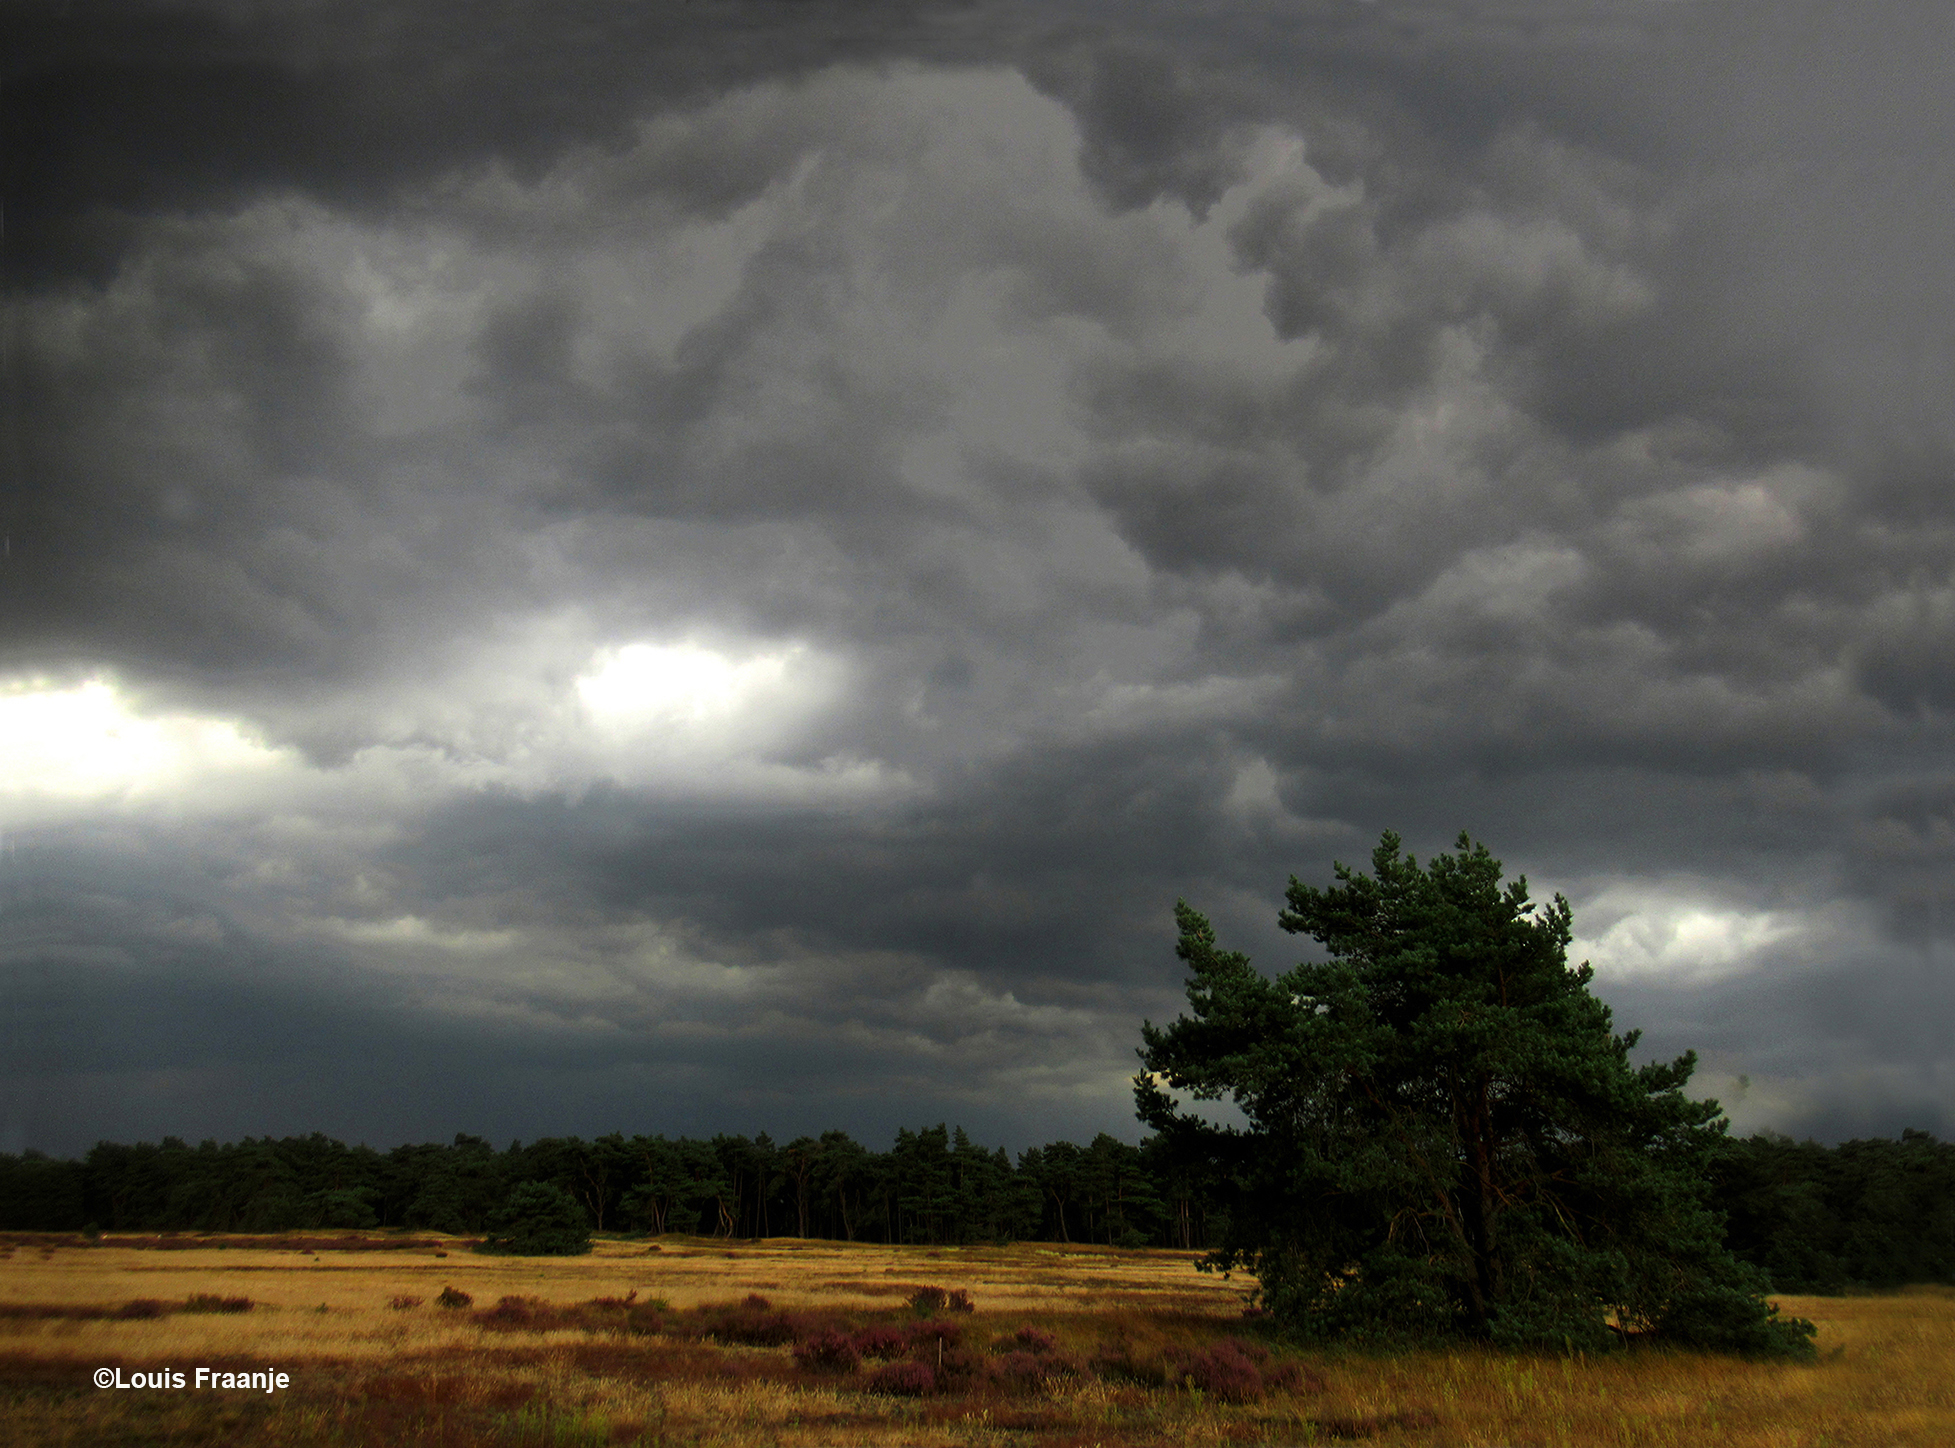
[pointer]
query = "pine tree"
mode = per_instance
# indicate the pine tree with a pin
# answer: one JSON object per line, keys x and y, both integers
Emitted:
{"x": 1445, "y": 1136}
{"x": 539, "y": 1219}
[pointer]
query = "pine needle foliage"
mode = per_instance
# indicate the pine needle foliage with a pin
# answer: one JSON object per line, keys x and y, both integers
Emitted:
{"x": 1445, "y": 1137}
{"x": 538, "y": 1220}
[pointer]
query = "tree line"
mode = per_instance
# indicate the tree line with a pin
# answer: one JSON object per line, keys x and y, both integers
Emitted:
{"x": 932, "y": 1186}
{"x": 1864, "y": 1214}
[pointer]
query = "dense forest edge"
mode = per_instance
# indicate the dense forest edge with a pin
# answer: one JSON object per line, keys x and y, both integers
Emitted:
{"x": 1863, "y": 1215}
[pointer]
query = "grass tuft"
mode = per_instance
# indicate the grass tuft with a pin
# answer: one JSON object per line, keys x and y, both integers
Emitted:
{"x": 928, "y": 1301}
{"x": 211, "y": 1302}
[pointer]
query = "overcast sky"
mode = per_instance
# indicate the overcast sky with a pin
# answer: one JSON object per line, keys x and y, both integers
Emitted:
{"x": 711, "y": 566}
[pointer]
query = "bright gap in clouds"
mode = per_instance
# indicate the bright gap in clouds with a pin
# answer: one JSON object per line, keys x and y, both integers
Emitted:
{"x": 646, "y": 683}
{"x": 1652, "y": 933}
{"x": 84, "y": 742}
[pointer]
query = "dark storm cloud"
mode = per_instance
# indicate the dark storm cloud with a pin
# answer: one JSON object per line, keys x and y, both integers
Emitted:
{"x": 1079, "y": 458}
{"x": 117, "y": 108}
{"x": 1863, "y": 1037}
{"x": 1059, "y": 858}
{"x": 788, "y": 1028}
{"x": 148, "y": 128}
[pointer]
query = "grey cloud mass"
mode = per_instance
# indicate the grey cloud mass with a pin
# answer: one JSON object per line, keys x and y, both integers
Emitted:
{"x": 720, "y": 566}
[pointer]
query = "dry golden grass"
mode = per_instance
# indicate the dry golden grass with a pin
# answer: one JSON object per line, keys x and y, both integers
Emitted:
{"x": 364, "y": 1372}
{"x": 683, "y": 1271}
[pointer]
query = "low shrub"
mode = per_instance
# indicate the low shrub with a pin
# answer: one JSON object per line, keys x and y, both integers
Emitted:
{"x": 880, "y": 1341}
{"x": 625, "y": 1314}
{"x": 761, "y": 1330}
{"x": 827, "y": 1351}
{"x": 646, "y": 1319}
{"x": 955, "y": 1367}
{"x": 1291, "y": 1376}
{"x": 403, "y": 1303}
{"x": 142, "y": 1307}
{"x": 724, "y": 1321}
{"x": 1033, "y": 1340}
{"x": 903, "y": 1380}
{"x": 451, "y": 1298}
{"x": 1224, "y": 1371}
{"x": 517, "y": 1313}
{"x": 752, "y": 1322}
{"x": 936, "y": 1329}
{"x": 1022, "y": 1370}
{"x": 209, "y": 1302}
{"x": 927, "y": 1300}
{"x": 601, "y": 1314}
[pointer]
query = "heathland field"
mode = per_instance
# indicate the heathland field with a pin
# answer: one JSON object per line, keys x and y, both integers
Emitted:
{"x": 803, "y": 1343}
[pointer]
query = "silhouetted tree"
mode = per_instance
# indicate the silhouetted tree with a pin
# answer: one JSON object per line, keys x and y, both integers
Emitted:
{"x": 538, "y": 1220}
{"x": 1445, "y": 1136}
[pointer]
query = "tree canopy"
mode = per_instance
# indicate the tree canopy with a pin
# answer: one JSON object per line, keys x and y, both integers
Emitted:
{"x": 1443, "y": 1135}
{"x": 538, "y": 1220}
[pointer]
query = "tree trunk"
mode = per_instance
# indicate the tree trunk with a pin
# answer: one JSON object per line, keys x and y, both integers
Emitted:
{"x": 1478, "y": 1205}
